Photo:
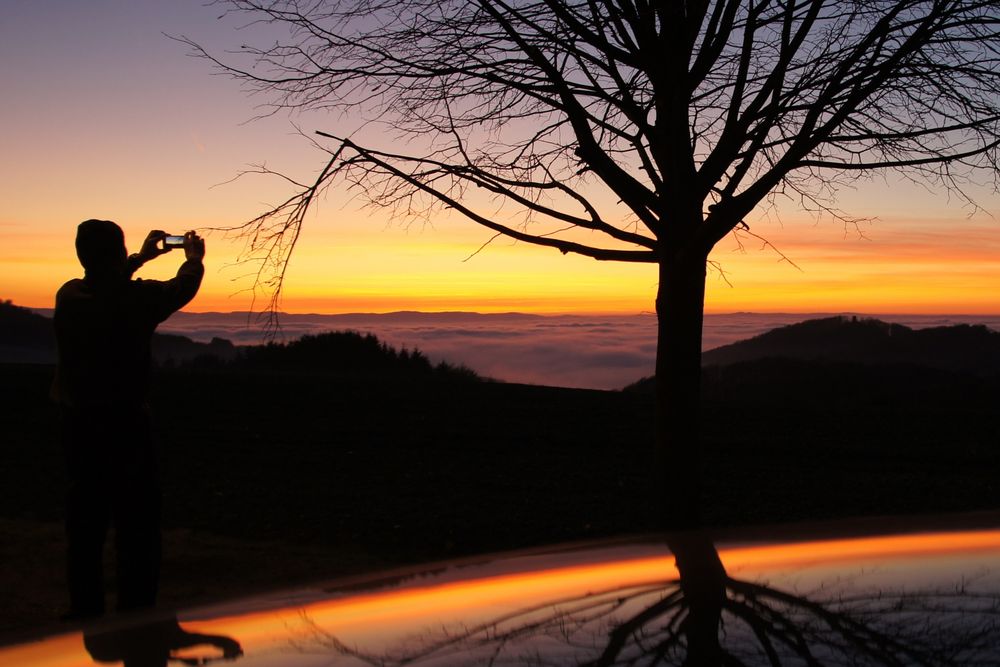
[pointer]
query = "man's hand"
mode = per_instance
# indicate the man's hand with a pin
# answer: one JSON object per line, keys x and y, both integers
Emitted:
{"x": 194, "y": 246}
{"x": 152, "y": 247}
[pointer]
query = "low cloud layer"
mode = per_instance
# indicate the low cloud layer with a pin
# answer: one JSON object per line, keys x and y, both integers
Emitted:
{"x": 596, "y": 352}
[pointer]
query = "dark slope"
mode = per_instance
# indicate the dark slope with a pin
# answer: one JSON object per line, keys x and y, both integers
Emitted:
{"x": 343, "y": 353}
{"x": 29, "y": 338}
{"x": 846, "y": 359}
{"x": 961, "y": 348}
{"x": 25, "y": 337}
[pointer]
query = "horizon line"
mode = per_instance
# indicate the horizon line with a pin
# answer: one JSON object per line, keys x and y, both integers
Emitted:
{"x": 643, "y": 313}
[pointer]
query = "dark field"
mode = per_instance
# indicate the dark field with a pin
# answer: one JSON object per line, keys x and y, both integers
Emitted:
{"x": 279, "y": 478}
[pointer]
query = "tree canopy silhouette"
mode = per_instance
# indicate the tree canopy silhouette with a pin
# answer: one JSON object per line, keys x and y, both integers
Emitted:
{"x": 626, "y": 130}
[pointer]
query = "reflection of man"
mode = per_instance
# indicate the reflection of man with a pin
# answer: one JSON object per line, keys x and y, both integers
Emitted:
{"x": 104, "y": 323}
{"x": 153, "y": 645}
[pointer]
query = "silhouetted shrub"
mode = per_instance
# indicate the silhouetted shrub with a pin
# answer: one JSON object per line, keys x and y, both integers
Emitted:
{"x": 345, "y": 352}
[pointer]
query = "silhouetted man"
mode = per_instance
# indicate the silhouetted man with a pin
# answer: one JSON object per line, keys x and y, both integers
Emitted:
{"x": 104, "y": 323}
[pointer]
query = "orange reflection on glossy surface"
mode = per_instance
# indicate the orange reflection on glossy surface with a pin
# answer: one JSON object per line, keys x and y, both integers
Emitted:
{"x": 60, "y": 651}
{"x": 409, "y": 608}
{"x": 486, "y": 595}
{"x": 829, "y": 551}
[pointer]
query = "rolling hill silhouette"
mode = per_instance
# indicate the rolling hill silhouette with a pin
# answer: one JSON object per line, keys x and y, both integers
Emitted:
{"x": 851, "y": 360}
{"x": 961, "y": 348}
{"x": 343, "y": 353}
{"x": 27, "y": 337}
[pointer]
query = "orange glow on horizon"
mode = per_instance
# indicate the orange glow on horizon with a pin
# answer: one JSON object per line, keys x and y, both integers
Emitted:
{"x": 366, "y": 266}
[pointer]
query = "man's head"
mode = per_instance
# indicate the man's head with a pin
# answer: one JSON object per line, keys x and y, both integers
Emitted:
{"x": 100, "y": 245}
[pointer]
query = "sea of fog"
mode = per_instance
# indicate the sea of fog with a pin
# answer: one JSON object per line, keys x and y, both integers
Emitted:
{"x": 598, "y": 352}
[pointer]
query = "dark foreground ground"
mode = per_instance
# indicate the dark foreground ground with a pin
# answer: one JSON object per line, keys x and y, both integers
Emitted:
{"x": 276, "y": 479}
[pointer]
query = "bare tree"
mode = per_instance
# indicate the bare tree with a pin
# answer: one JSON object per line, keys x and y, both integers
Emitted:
{"x": 628, "y": 130}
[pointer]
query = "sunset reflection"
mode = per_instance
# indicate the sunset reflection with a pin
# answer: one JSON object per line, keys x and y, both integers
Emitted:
{"x": 383, "y": 618}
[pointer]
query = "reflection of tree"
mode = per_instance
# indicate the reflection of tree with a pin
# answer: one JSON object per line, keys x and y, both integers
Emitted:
{"x": 707, "y": 618}
{"x": 154, "y": 644}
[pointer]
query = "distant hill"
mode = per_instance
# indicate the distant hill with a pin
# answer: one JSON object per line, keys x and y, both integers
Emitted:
{"x": 171, "y": 349}
{"x": 29, "y": 338}
{"x": 850, "y": 358}
{"x": 25, "y": 337}
{"x": 344, "y": 353}
{"x": 962, "y": 348}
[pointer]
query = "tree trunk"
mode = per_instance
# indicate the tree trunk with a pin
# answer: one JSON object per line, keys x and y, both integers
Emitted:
{"x": 680, "y": 307}
{"x": 703, "y": 582}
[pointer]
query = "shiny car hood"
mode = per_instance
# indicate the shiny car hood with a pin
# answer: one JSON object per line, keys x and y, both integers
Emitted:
{"x": 920, "y": 596}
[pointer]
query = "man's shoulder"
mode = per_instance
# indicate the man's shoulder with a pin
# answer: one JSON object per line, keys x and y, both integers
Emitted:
{"x": 70, "y": 288}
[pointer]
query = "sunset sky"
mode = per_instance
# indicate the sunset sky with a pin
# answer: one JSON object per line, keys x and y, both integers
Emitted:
{"x": 104, "y": 116}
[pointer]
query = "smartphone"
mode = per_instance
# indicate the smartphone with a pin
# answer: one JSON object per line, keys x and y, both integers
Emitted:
{"x": 173, "y": 241}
